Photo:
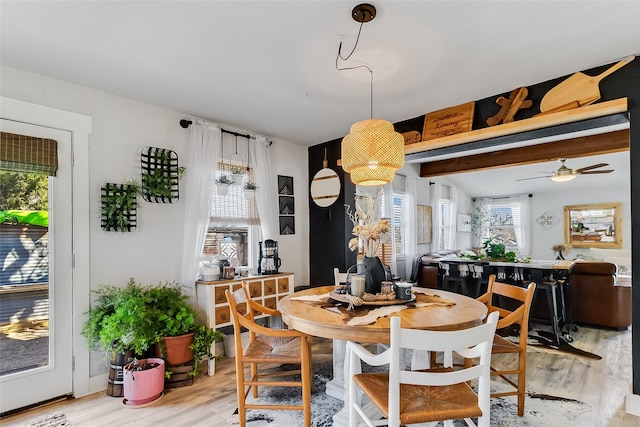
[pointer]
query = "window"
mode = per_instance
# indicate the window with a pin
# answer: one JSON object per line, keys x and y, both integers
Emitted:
{"x": 231, "y": 231}
{"x": 444, "y": 230}
{"x": 503, "y": 219}
{"x": 398, "y": 224}
{"x": 501, "y": 223}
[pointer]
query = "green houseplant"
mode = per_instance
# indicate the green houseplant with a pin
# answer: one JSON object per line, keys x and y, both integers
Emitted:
{"x": 139, "y": 318}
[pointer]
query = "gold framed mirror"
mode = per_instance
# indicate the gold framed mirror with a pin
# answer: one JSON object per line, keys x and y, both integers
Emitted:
{"x": 593, "y": 226}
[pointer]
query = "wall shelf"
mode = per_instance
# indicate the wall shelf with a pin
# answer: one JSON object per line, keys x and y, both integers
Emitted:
{"x": 604, "y": 114}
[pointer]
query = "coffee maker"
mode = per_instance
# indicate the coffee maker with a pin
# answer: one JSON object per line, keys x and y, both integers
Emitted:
{"x": 269, "y": 261}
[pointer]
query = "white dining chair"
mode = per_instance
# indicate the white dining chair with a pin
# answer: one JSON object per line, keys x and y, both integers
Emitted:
{"x": 338, "y": 277}
{"x": 425, "y": 396}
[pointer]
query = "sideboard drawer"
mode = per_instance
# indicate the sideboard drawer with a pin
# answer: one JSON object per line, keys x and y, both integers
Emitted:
{"x": 255, "y": 290}
{"x": 218, "y": 294}
{"x": 223, "y": 315}
{"x": 270, "y": 303}
{"x": 269, "y": 287}
{"x": 283, "y": 285}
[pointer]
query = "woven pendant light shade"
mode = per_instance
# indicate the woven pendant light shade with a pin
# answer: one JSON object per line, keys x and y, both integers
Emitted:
{"x": 372, "y": 152}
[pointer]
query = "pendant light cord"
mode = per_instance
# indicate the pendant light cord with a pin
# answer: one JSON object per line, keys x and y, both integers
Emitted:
{"x": 339, "y": 56}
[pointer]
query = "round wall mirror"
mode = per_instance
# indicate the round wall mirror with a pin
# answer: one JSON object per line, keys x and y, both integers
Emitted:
{"x": 325, "y": 187}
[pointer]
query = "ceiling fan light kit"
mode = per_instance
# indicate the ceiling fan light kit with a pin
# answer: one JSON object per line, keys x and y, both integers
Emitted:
{"x": 562, "y": 178}
{"x": 565, "y": 174}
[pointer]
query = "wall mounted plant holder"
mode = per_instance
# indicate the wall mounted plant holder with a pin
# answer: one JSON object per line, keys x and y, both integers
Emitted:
{"x": 160, "y": 175}
{"x": 119, "y": 205}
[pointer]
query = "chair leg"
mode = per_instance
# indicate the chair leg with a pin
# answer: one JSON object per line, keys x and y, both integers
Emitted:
{"x": 240, "y": 391}
{"x": 254, "y": 376}
{"x": 306, "y": 377}
{"x": 522, "y": 380}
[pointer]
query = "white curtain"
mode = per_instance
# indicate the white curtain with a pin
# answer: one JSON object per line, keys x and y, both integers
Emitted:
{"x": 521, "y": 223}
{"x": 411, "y": 215}
{"x": 438, "y": 236}
{"x": 266, "y": 193}
{"x": 201, "y": 161}
{"x": 453, "y": 213}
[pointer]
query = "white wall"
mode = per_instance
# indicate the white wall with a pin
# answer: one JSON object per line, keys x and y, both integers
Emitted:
{"x": 554, "y": 202}
{"x": 121, "y": 128}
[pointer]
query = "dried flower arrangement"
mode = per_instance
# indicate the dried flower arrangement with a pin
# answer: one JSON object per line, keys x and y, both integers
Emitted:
{"x": 369, "y": 228}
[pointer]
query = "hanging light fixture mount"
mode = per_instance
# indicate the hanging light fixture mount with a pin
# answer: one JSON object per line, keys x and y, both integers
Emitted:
{"x": 364, "y": 12}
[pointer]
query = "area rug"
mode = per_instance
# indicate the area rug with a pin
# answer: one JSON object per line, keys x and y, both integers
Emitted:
{"x": 543, "y": 341}
{"x": 540, "y": 410}
{"x": 55, "y": 419}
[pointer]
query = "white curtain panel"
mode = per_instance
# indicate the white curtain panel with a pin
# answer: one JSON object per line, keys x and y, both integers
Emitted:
{"x": 436, "y": 195}
{"x": 267, "y": 192}
{"x": 202, "y": 158}
{"x": 411, "y": 215}
{"x": 522, "y": 223}
{"x": 453, "y": 214}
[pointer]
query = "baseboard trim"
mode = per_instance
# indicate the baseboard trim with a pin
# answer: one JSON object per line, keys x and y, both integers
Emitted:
{"x": 633, "y": 403}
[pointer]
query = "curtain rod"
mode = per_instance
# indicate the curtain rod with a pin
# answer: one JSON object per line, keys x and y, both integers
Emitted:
{"x": 186, "y": 123}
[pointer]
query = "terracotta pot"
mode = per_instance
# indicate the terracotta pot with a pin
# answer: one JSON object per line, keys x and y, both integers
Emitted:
{"x": 142, "y": 387}
{"x": 176, "y": 349}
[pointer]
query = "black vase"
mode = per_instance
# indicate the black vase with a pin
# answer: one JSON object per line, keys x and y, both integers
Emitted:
{"x": 374, "y": 276}
{"x": 560, "y": 256}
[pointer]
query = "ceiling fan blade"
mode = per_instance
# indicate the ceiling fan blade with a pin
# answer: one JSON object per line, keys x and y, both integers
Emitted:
{"x": 586, "y": 168}
{"x": 535, "y": 177}
{"x": 594, "y": 172}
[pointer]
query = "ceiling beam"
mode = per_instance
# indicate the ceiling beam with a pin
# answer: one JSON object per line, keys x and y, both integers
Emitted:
{"x": 612, "y": 142}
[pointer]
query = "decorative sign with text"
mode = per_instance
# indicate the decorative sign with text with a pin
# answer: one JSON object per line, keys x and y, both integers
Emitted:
{"x": 449, "y": 121}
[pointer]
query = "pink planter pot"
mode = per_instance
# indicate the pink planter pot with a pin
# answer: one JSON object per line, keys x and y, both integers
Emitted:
{"x": 142, "y": 387}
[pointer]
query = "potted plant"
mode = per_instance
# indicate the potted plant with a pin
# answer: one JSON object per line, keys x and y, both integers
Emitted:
{"x": 143, "y": 381}
{"x": 120, "y": 320}
{"x": 139, "y": 319}
{"x": 222, "y": 184}
{"x": 249, "y": 190}
{"x": 183, "y": 341}
{"x": 237, "y": 174}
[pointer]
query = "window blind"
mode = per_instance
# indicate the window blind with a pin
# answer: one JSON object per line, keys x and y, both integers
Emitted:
{"x": 28, "y": 154}
{"x": 233, "y": 208}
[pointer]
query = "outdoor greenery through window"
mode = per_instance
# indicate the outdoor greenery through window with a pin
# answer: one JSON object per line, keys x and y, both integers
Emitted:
{"x": 501, "y": 219}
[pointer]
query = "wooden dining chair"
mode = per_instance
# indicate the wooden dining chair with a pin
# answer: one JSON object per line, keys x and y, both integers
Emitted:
{"x": 268, "y": 346}
{"x": 520, "y": 316}
{"x": 423, "y": 396}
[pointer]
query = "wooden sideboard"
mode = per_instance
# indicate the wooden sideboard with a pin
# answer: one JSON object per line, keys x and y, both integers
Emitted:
{"x": 213, "y": 309}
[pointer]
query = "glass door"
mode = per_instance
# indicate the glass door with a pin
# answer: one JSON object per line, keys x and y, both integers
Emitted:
{"x": 36, "y": 278}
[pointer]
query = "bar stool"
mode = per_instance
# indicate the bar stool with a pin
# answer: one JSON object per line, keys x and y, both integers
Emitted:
{"x": 555, "y": 295}
{"x": 455, "y": 278}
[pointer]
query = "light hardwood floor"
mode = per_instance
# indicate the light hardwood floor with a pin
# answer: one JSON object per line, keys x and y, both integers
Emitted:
{"x": 211, "y": 401}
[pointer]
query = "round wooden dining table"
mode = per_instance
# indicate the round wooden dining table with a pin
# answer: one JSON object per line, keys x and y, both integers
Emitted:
{"x": 319, "y": 318}
{"x": 312, "y": 311}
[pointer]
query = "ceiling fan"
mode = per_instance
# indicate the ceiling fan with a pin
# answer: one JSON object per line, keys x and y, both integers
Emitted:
{"x": 564, "y": 174}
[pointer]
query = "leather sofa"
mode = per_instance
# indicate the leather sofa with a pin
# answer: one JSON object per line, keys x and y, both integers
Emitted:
{"x": 598, "y": 297}
{"x": 426, "y": 268}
